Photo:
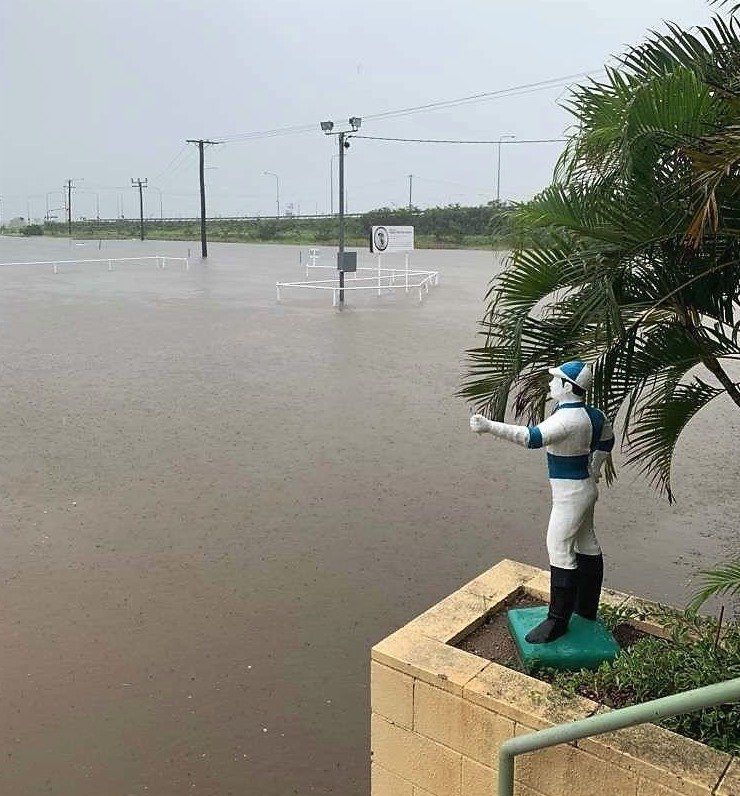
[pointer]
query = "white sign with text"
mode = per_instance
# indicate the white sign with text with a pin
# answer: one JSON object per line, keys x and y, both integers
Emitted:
{"x": 385, "y": 240}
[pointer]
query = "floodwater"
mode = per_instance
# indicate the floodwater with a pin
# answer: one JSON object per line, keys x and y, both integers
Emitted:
{"x": 212, "y": 505}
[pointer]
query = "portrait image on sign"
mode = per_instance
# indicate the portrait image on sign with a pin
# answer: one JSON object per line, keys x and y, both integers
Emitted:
{"x": 380, "y": 239}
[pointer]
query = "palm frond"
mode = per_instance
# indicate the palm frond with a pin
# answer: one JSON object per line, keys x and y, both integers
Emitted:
{"x": 631, "y": 257}
{"x": 658, "y": 426}
{"x": 715, "y": 582}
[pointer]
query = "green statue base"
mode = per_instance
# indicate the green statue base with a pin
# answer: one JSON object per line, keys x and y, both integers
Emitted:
{"x": 585, "y": 645}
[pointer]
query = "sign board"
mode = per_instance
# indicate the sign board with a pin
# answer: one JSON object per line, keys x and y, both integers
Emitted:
{"x": 391, "y": 239}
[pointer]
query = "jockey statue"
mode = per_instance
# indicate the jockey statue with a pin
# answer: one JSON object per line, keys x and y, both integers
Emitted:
{"x": 578, "y": 439}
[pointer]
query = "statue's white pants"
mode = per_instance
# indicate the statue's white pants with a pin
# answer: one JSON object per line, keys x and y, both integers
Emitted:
{"x": 571, "y": 526}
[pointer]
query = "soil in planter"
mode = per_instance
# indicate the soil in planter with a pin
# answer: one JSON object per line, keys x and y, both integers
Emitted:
{"x": 493, "y": 640}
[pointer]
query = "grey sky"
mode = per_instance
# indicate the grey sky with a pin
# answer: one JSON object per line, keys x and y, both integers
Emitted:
{"x": 107, "y": 91}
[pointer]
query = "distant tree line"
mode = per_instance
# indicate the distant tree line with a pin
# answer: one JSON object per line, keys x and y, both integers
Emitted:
{"x": 451, "y": 225}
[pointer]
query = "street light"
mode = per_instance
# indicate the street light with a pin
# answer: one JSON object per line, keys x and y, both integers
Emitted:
{"x": 277, "y": 189}
{"x": 498, "y": 170}
{"x": 159, "y": 191}
{"x": 343, "y": 136}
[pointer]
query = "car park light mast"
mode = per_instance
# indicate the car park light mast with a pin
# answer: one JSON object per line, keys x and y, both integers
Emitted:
{"x": 344, "y": 263}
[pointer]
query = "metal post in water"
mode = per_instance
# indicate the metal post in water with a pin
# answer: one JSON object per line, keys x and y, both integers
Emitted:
{"x": 341, "y": 217}
{"x": 201, "y": 142}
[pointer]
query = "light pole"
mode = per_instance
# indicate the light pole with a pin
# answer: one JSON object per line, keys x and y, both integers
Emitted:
{"x": 331, "y": 184}
{"x": 343, "y": 137}
{"x": 50, "y": 210}
{"x": 277, "y": 189}
{"x": 159, "y": 191}
{"x": 498, "y": 170}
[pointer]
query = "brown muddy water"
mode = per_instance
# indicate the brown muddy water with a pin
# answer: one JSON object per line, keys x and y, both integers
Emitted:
{"x": 212, "y": 505}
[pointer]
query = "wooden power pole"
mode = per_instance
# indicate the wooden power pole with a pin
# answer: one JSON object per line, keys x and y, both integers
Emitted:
{"x": 140, "y": 184}
{"x": 68, "y": 186}
{"x": 202, "y": 142}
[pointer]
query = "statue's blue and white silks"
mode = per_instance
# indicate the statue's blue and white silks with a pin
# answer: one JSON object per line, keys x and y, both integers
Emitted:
{"x": 578, "y": 439}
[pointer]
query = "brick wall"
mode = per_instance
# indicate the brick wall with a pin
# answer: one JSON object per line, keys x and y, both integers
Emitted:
{"x": 439, "y": 716}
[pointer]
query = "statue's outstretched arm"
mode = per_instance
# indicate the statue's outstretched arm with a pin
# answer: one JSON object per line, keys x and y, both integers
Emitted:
{"x": 547, "y": 432}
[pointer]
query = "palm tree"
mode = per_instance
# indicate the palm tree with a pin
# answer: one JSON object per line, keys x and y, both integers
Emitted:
{"x": 630, "y": 257}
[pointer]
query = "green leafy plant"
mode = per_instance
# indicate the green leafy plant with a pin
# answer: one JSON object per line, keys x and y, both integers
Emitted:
{"x": 716, "y": 582}
{"x": 631, "y": 258}
{"x": 695, "y": 655}
{"x": 32, "y": 229}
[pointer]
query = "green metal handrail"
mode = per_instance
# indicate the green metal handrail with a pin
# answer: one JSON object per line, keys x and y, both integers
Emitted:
{"x": 686, "y": 702}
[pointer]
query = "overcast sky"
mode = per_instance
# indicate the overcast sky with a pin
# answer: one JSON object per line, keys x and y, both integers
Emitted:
{"x": 107, "y": 91}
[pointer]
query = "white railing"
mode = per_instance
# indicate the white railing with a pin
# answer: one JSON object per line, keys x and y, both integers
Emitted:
{"x": 383, "y": 280}
{"x": 161, "y": 261}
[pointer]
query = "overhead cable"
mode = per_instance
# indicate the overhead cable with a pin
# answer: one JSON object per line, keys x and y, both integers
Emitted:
{"x": 462, "y": 141}
{"x": 525, "y": 88}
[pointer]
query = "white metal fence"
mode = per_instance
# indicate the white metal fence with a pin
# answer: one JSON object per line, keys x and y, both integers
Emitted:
{"x": 161, "y": 261}
{"x": 383, "y": 279}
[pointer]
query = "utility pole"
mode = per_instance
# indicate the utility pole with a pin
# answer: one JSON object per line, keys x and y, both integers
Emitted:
{"x": 411, "y": 182}
{"x": 138, "y": 183}
{"x": 202, "y": 142}
{"x": 68, "y": 186}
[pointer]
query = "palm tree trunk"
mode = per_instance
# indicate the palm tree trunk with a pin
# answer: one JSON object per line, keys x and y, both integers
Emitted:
{"x": 712, "y": 364}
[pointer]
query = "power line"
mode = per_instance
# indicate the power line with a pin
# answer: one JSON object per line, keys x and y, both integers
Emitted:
{"x": 167, "y": 176}
{"x": 461, "y": 141}
{"x": 525, "y": 88}
{"x": 178, "y": 154}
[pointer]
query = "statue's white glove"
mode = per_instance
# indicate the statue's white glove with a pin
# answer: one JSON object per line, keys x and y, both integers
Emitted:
{"x": 479, "y": 424}
{"x": 597, "y": 460}
{"x": 517, "y": 434}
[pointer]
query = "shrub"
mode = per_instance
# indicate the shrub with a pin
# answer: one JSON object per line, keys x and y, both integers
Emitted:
{"x": 32, "y": 229}
{"x": 695, "y": 655}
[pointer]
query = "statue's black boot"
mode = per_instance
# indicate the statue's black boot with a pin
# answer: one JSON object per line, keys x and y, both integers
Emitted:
{"x": 590, "y": 576}
{"x": 562, "y": 600}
